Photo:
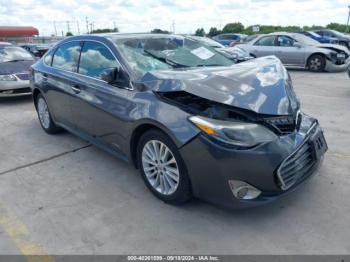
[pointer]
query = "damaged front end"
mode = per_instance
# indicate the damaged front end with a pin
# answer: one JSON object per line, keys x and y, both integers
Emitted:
{"x": 338, "y": 57}
{"x": 257, "y": 92}
{"x": 195, "y": 105}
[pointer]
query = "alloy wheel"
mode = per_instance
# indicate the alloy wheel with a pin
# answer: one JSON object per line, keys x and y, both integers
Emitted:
{"x": 315, "y": 64}
{"x": 43, "y": 113}
{"x": 160, "y": 167}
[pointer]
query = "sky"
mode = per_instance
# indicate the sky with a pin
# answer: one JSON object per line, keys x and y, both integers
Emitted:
{"x": 183, "y": 15}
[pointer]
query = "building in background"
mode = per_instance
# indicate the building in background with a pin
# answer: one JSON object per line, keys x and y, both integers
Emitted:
{"x": 25, "y": 34}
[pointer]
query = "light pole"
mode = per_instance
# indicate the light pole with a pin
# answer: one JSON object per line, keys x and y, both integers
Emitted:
{"x": 347, "y": 23}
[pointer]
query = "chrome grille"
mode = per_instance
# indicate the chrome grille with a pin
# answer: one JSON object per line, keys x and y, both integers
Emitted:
{"x": 296, "y": 167}
{"x": 23, "y": 76}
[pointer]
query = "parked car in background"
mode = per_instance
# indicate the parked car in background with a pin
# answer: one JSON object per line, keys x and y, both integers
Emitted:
{"x": 342, "y": 38}
{"x": 14, "y": 70}
{"x": 191, "y": 120}
{"x": 249, "y": 38}
{"x": 227, "y": 39}
{"x": 36, "y": 50}
{"x": 297, "y": 50}
{"x": 319, "y": 38}
{"x": 234, "y": 53}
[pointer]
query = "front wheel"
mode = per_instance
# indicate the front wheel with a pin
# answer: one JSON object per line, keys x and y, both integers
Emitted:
{"x": 316, "y": 63}
{"x": 162, "y": 168}
{"x": 44, "y": 116}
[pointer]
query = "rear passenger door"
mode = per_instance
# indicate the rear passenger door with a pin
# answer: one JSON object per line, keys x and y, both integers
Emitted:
{"x": 98, "y": 107}
{"x": 59, "y": 80}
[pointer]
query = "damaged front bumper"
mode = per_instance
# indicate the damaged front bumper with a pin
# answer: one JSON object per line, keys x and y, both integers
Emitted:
{"x": 332, "y": 67}
{"x": 211, "y": 166}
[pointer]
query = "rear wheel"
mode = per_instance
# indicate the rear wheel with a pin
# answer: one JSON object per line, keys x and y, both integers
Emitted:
{"x": 162, "y": 168}
{"x": 44, "y": 116}
{"x": 316, "y": 63}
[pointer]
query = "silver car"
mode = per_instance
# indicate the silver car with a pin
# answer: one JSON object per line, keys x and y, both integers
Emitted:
{"x": 235, "y": 53}
{"x": 14, "y": 70}
{"x": 296, "y": 50}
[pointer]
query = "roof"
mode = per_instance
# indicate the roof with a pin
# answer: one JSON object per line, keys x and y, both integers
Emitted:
{"x": 18, "y": 31}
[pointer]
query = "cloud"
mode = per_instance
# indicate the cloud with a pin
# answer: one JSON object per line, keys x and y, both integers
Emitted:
{"x": 142, "y": 16}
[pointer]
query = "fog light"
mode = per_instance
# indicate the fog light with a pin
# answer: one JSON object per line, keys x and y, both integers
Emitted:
{"x": 242, "y": 190}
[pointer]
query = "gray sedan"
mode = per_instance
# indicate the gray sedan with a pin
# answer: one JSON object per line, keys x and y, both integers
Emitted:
{"x": 296, "y": 50}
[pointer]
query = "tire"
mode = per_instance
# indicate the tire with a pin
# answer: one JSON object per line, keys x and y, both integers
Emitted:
{"x": 316, "y": 63}
{"x": 44, "y": 116}
{"x": 162, "y": 179}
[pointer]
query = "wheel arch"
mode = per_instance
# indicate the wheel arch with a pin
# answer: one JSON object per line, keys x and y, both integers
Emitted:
{"x": 36, "y": 92}
{"x": 313, "y": 54}
{"x": 316, "y": 53}
{"x": 142, "y": 128}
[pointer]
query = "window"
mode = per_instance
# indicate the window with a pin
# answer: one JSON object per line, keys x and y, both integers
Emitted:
{"x": 329, "y": 34}
{"x": 95, "y": 59}
{"x": 48, "y": 58}
{"x": 66, "y": 56}
{"x": 285, "y": 41}
{"x": 266, "y": 41}
{"x": 229, "y": 37}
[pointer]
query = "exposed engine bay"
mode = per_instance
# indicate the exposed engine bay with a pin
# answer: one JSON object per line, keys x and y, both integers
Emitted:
{"x": 281, "y": 125}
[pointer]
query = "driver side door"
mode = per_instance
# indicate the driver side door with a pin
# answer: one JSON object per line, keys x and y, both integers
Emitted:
{"x": 288, "y": 53}
{"x": 99, "y": 109}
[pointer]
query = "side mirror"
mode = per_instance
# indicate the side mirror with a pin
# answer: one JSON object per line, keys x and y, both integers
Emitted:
{"x": 117, "y": 77}
{"x": 298, "y": 45}
{"x": 109, "y": 75}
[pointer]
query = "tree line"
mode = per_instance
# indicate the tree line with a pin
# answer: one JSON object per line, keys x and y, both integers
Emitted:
{"x": 238, "y": 27}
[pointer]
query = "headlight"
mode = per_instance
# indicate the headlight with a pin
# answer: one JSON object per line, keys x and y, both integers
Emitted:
{"x": 8, "y": 78}
{"x": 234, "y": 132}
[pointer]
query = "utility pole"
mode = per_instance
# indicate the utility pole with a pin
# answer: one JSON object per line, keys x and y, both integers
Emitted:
{"x": 347, "y": 23}
{"x": 87, "y": 24}
{"x": 90, "y": 28}
{"x": 173, "y": 24}
{"x": 78, "y": 27}
{"x": 54, "y": 26}
{"x": 68, "y": 27}
{"x": 115, "y": 27}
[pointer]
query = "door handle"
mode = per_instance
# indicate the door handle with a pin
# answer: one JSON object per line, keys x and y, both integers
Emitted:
{"x": 76, "y": 89}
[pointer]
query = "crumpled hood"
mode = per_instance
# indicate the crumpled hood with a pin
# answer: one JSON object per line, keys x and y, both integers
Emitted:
{"x": 15, "y": 67}
{"x": 334, "y": 46}
{"x": 261, "y": 85}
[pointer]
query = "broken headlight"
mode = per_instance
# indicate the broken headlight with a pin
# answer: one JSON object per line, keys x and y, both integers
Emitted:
{"x": 235, "y": 133}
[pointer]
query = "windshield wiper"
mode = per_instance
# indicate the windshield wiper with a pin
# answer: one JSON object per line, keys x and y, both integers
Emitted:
{"x": 165, "y": 60}
{"x": 202, "y": 65}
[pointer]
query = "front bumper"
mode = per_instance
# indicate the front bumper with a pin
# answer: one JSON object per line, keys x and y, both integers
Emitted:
{"x": 14, "y": 88}
{"x": 332, "y": 67}
{"x": 211, "y": 166}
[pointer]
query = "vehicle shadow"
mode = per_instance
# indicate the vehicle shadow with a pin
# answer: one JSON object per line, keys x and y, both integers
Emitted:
{"x": 15, "y": 99}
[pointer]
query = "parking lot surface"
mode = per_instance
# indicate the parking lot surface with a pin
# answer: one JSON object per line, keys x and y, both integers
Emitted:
{"x": 59, "y": 195}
